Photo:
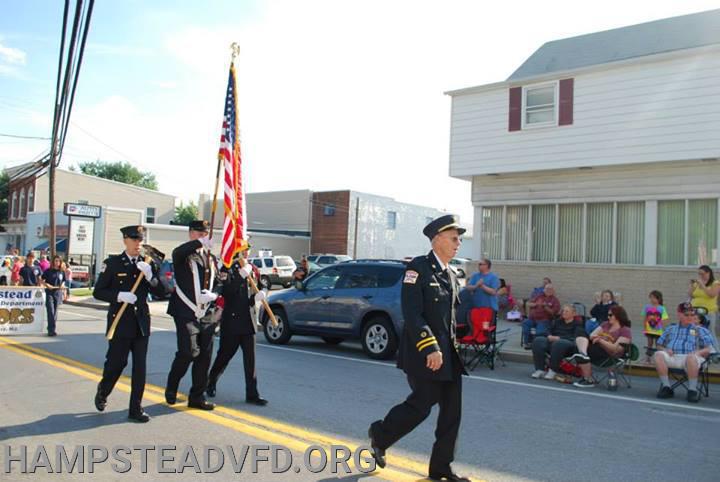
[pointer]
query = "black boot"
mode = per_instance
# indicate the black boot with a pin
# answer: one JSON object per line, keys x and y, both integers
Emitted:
{"x": 100, "y": 400}
{"x": 211, "y": 389}
{"x": 377, "y": 453}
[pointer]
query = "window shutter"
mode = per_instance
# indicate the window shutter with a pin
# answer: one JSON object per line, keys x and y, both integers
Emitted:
{"x": 565, "y": 117}
{"x": 515, "y": 112}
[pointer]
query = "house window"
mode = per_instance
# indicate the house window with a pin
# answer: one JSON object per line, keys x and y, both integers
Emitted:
{"x": 14, "y": 206}
{"x": 543, "y": 232}
{"x": 492, "y": 232}
{"x": 329, "y": 210}
{"x": 630, "y": 233}
{"x": 391, "y": 220}
{"x": 31, "y": 199}
{"x": 516, "y": 232}
{"x": 539, "y": 105}
{"x": 22, "y": 207}
{"x": 603, "y": 233}
{"x": 671, "y": 232}
{"x": 702, "y": 231}
{"x": 150, "y": 215}
{"x": 599, "y": 233}
{"x": 570, "y": 233}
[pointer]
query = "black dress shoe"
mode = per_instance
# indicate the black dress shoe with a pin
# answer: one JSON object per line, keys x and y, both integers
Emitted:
{"x": 257, "y": 401}
{"x": 377, "y": 453}
{"x": 100, "y": 400}
{"x": 139, "y": 417}
{"x": 447, "y": 476}
{"x": 52, "y": 333}
{"x": 211, "y": 390}
{"x": 170, "y": 397}
{"x": 202, "y": 405}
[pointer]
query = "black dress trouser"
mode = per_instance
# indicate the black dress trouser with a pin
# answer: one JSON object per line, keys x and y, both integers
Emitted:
{"x": 195, "y": 343}
{"x": 116, "y": 360}
{"x": 229, "y": 344}
{"x": 403, "y": 418}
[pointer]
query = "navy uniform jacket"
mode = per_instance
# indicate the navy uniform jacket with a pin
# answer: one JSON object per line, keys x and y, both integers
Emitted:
{"x": 119, "y": 274}
{"x": 182, "y": 256}
{"x": 428, "y": 304}
{"x": 236, "y": 316}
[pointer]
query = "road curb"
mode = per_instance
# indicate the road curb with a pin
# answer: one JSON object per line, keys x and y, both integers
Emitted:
{"x": 86, "y": 305}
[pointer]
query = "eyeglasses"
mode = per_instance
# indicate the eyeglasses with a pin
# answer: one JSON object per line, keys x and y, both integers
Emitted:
{"x": 690, "y": 313}
{"x": 610, "y": 315}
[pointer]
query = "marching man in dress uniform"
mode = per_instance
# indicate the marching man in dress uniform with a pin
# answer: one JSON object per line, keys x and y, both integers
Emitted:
{"x": 114, "y": 285}
{"x": 238, "y": 327}
{"x": 428, "y": 353}
{"x": 188, "y": 306}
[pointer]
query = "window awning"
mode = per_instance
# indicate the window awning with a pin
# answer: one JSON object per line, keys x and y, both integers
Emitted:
{"x": 60, "y": 246}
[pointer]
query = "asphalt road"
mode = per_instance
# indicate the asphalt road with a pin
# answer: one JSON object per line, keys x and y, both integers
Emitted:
{"x": 514, "y": 428}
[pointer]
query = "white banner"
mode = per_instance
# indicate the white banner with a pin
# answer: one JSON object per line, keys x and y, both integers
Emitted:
{"x": 81, "y": 236}
{"x": 22, "y": 310}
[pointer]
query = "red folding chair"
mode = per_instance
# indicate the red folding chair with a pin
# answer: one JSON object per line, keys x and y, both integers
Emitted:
{"x": 481, "y": 345}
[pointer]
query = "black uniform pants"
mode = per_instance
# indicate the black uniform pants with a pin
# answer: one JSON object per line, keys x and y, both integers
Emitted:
{"x": 195, "y": 343}
{"x": 53, "y": 300}
{"x": 403, "y": 418}
{"x": 116, "y": 360}
{"x": 229, "y": 344}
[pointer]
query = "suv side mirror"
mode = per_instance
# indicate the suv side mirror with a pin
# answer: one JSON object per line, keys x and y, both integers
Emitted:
{"x": 299, "y": 285}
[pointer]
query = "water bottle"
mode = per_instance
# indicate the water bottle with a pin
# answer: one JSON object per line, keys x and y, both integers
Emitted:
{"x": 612, "y": 383}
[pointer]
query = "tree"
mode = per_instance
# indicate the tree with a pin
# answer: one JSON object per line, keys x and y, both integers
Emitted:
{"x": 120, "y": 171}
{"x": 185, "y": 214}
{"x": 4, "y": 193}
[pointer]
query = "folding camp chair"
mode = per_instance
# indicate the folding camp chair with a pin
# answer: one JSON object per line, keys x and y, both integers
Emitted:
{"x": 680, "y": 377}
{"x": 481, "y": 344}
{"x": 620, "y": 366}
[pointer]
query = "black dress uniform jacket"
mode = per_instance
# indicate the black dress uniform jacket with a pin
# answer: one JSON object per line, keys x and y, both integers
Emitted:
{"x": 184, "y": 279}
{"x": 236, "y": 316}
{"x": 119, "y": 274}
{"x": 429, "y": 298}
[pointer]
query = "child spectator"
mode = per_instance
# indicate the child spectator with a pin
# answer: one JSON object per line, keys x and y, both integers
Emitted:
{"x": 654, "y": 314}
{"x": 599, "y": 312}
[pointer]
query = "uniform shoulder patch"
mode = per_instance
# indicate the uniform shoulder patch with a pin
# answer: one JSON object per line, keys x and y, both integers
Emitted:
{"x": 411, "y": 277}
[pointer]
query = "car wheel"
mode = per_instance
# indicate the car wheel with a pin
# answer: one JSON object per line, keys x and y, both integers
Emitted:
{"x": 332, "y": 340}
{"x": 461, "y": 273}
{"x": 287, "y": 285}
{"x": 378, "y": 338}
{"x": 280, "y": 334}
{"x": 265, "y": 282}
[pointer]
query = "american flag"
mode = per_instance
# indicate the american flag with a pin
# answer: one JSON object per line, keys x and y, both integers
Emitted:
{"x": 234, "y": 229}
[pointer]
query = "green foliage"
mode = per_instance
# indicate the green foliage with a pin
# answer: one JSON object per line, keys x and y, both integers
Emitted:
{"x": 120, "y": 171}
{"x": 185, "y": 213}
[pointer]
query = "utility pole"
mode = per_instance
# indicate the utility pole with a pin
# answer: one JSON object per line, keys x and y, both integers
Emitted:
{"x": 357, "y": 217}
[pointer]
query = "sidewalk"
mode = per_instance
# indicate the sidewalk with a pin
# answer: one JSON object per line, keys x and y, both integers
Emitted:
{"x": 512, "y": 351}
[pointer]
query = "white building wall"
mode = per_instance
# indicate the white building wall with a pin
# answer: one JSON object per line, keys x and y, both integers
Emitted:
{"x": 633, "y": 112}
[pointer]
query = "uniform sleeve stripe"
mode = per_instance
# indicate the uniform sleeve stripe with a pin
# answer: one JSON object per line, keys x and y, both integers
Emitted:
{"x": 424, "y": 340}
{"x": 428, "y": 342}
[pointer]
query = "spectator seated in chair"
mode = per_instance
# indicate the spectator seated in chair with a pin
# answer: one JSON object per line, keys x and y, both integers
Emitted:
{"x": 543, "y": 308}
{"x": 559, "y": 343}
{"x": 604, "y": 343}
{"x": 685, "y": 346}
{"x": 600, "y": 311}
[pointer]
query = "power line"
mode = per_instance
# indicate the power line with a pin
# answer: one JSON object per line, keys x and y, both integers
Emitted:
{"x": 15, "y": 136}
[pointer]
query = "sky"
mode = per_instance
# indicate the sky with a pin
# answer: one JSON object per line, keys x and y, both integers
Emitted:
{"x": 333, "y": 94}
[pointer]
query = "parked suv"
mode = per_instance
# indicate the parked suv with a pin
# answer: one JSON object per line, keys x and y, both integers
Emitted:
{"x": 275, "y": 270}
{"x": 324, "y": 260}
{"x": 350, "y": 300}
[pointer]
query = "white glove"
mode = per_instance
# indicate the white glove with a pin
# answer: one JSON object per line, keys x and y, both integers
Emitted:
{"x": 206, "y": 296}
{"x": 126, "y": 297}
{"x": 245, "y": 271}
{"x": 146, "y": 269}
{"x": 206, "y": 242}
{"x": 260, "y": 296}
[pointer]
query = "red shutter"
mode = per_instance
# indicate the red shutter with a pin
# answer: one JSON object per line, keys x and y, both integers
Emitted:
{"x": 515, "y": 112}
{"x": 566, "y": 102}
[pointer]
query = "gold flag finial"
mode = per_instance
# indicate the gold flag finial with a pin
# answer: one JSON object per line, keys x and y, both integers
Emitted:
{"x": 235, "y": 50}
